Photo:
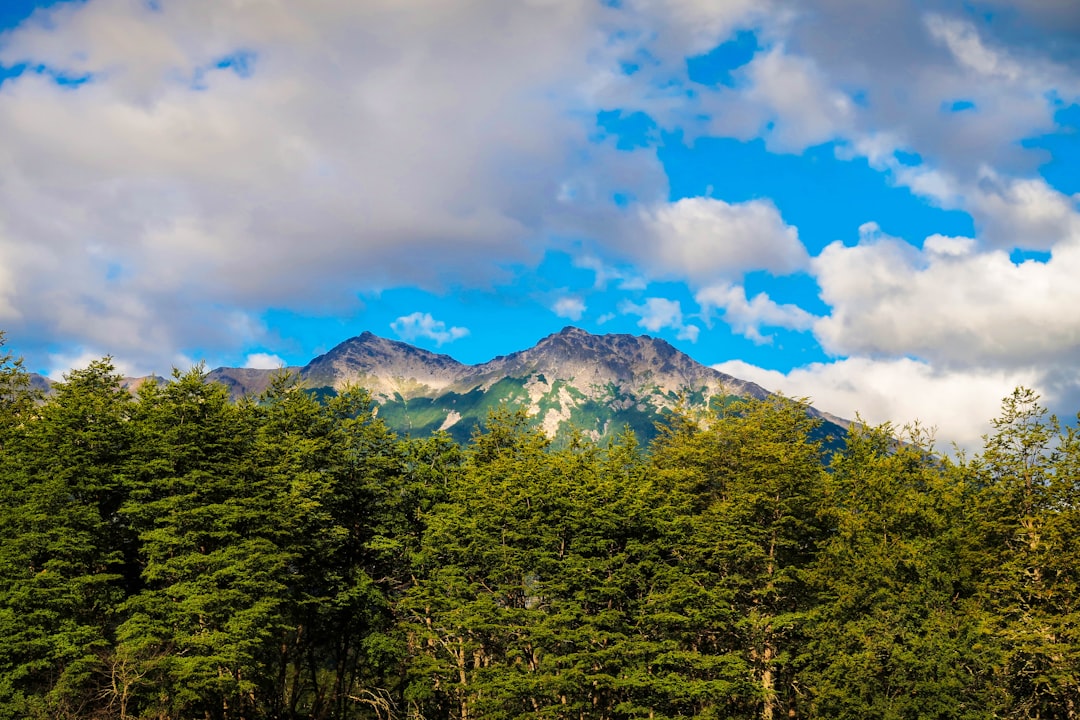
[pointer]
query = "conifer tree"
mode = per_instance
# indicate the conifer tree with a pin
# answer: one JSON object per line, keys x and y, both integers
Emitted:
{"x": 196, "y": 634}
{"x": 1027, "y": 533}
{"x": 340, "y": 498}
{"x": 63, "y": 559}
{"x": 891, "y": 635}
{"x": 749, "y": 477}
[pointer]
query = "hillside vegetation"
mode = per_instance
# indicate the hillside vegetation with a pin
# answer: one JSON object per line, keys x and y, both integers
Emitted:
{"x": 178, "y": 554}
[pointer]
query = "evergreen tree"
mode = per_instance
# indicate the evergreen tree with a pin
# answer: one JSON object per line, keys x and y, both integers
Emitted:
{"x": 749, "y": 478}
{"x": 528, "y": 581}
{"x": 1026, "y": 525}
{"x": 341, "y": 519}
{"x": 196, "y": 635}
{"x": 891, "y": 636}
{"x": 63, "y": 559}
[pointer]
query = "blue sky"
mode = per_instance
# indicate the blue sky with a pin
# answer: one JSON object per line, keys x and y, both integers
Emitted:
{"x": 870, "y": 204}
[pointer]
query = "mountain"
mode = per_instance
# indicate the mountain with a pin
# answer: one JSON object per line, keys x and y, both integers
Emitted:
{"x": 596, "y": 383}
{"x": 245, "y": 381}
{"x": 40, "y": 382}
{"x": 386, "y": 368}
{"x": 572, "y": 379}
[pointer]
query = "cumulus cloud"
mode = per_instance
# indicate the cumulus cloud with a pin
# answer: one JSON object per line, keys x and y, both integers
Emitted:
{"x": 1023, "y": 212}
{"x": 910, "y": 65}
{"x": 264, "y": 361}
{"x": 655, "y": 37}
{"x": 879, "y": 79}
{"x": 422, "y": 325}
{"x": 227, "y": 157}
{"x": 347, "y": 140}
{"x": 570, "y": 306}
{"x": 1009, "y": 212}
{"x": 659, "y": 313}
{"x": 965, "y": 44}
{"x": 786, "y": 100}
{"x": 959, "y": 404}
{"x": 691, "y": 27}
{"x": 703, "y": 239}
{"x": 947, "y": 303}
{"x": 747, "y": 316}
{"x": 61, "y": 364}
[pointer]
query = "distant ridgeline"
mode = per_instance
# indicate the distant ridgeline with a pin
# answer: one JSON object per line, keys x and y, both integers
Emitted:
{"x": 572, "y": 380}
{"x": 596, "y": 384}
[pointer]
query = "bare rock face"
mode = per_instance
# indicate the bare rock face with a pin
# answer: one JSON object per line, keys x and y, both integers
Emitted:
{"x": 40, "y": 383}
{"x": 630, "y": 362}
{"x": 385, "y": 367}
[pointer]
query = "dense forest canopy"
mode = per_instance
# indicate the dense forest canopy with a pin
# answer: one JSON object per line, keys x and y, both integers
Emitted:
{"x": 174, "y": 554}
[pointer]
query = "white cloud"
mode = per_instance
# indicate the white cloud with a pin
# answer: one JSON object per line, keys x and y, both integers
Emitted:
{"x": 964, "y": 42}
{"x": 364, "y": 136}
{"x": 60, "y": 364}
{"x": 659, "y": 313}
{"x": 264, "y": 361}
{"x": 571, "y": 307}
{"x": 689, "y": 332}
{"x": 880, "y": 77}
{"x": 786, "y": 100}
{"x": 1023, "y": 212}
{"x": 960, "y": 404}
{"x": 422, "y": 325}
{"x": 747, "y": 316}
{"x": 1009, "y": 212}
{"x": 704, "y": 239}
{"x": 691, "y": 27}
{"x": 368, "y": 135}
{"x": 948, "y": 303}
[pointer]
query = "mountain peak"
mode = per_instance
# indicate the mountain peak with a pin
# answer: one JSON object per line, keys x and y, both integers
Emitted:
{"x": 383, "y": 365}
{"x": 588, "y": 359}
{"x": 571, "y": 330}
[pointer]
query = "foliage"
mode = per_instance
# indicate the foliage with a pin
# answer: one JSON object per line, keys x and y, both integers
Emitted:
{"x": 174, "y": 554}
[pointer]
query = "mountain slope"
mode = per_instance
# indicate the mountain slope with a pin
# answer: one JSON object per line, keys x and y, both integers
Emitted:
{"x": 596, "y": 384}
{"x": 572, "y": 379}
{"x": 384, "y": 367}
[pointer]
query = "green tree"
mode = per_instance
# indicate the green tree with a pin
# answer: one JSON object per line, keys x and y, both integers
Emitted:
{"x": 891, "y": 636}
{"x": 195, "y": 637}
{"x": 343, "y": 518}
{"x": 466, "y": 609}
{"x": 746, "y": 483}
{"x": 63, "y": 558}
{"x": 528, "y": 579}
{"x": 1027, "y": 534}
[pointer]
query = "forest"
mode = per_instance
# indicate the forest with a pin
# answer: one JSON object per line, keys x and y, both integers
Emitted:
{"x": 172, "y": 554}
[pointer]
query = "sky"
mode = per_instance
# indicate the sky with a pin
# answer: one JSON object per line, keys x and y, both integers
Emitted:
{"x": 870, "y": 204}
